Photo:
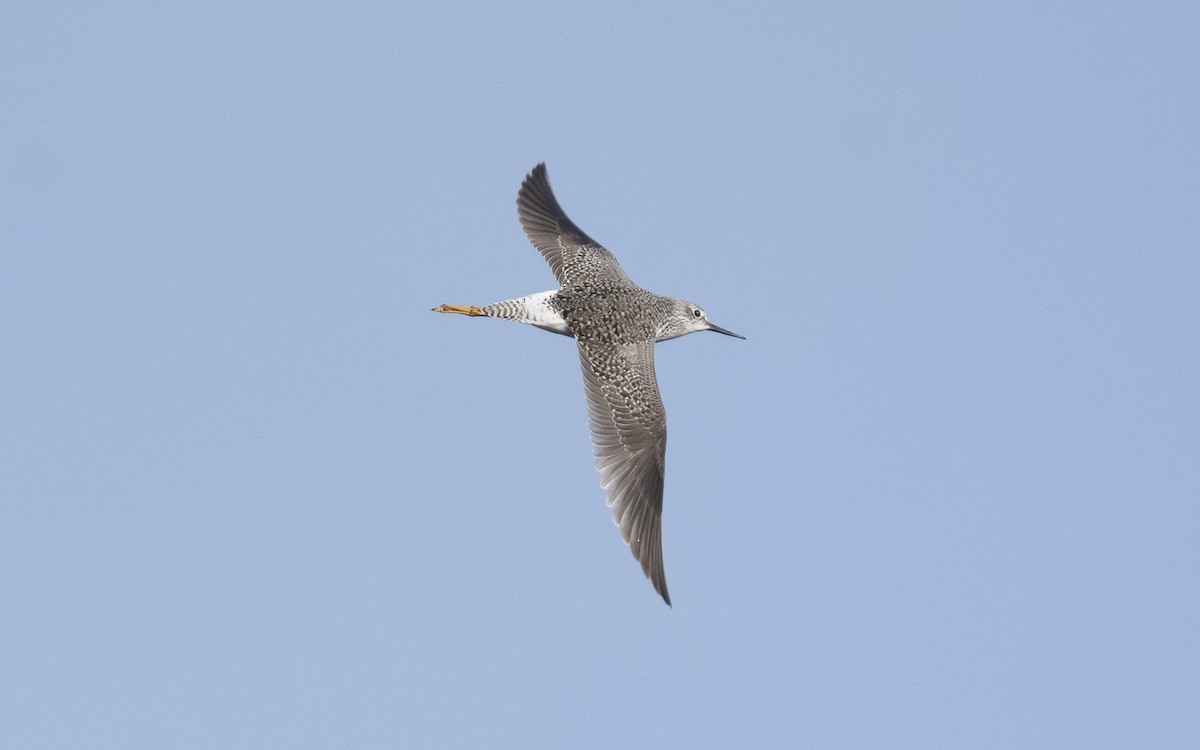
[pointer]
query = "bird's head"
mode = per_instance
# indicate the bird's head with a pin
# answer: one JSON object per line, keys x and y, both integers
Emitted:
{"x": 685, "y": 317}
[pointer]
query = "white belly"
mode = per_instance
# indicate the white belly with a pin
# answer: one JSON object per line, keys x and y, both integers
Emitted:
{"x": 534, "y": 310}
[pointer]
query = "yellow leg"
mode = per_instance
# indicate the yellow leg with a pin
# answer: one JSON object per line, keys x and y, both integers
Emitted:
{"x": 474, "y": 312}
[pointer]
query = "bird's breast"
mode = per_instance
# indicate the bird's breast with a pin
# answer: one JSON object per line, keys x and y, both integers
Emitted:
{"x": 606, "y": 315}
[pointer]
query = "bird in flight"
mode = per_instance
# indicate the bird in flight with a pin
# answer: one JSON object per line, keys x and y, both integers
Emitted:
{"x": 616, "y": 324}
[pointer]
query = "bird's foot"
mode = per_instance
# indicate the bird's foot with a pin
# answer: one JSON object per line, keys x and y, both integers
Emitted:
{"x": 474, "y": 312}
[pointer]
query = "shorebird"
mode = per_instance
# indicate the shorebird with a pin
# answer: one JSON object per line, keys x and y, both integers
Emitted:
{"x": 616, "y": 324}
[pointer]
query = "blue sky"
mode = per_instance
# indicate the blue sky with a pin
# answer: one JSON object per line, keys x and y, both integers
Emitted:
{"x": 255, "y": 494}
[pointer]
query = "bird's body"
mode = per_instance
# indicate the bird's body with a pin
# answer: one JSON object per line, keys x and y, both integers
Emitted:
{"x": 616, "y": 324}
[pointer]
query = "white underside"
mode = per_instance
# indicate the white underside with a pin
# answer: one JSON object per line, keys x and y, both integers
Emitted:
{"x": 536, "y": 310}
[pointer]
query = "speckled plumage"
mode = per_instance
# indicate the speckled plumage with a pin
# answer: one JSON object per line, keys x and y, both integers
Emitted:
{"x": 616, "y": 324}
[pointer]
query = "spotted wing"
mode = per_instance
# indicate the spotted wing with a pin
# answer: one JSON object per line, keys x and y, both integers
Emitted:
{"x": 572, "y": 255}
{"x": 629, "y": 438}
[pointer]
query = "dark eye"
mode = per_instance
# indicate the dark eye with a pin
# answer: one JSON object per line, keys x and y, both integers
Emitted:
{"x": 697, "y": 312}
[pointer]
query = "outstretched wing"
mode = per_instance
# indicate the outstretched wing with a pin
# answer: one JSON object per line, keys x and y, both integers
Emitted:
{"x": 629, "y": 438}
{"x": 572, "y": 255}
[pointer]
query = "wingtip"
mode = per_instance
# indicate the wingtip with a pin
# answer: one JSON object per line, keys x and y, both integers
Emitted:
{"x": 535, "y": 182}
{"x": 537, "y": 173}
{"x": 656, "y": 571}
{"x": 660, "y": 587}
